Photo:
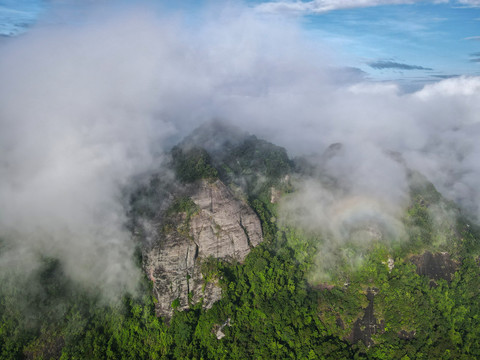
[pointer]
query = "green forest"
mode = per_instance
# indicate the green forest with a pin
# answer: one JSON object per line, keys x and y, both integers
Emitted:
{"x": 270, "y": 308}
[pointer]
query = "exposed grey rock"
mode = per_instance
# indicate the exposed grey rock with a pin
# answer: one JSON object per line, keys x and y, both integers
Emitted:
{"x": 436, "y": 266}
{"x": 219, "y": 333}
{"x": 367, "y": 326}
{"x": 224, "y": 227}
{"x": 390, "y": 263}
{"x": 275, "y": 195}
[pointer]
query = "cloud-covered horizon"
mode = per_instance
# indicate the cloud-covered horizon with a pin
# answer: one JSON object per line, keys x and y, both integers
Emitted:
{"x": 85, "y": 108}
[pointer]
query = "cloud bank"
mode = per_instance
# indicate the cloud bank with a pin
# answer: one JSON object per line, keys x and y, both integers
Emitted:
{"x": 86, "y": 106}
{"x": 76, "y": 116}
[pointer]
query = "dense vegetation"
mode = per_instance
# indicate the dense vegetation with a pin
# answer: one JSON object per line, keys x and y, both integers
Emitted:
{"x": 269, "y": 310}
{"x": 192, "y": 164}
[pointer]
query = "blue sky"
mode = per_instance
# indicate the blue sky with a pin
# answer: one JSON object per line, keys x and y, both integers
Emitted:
{"x": 402, "y": 40}
{"x": 17, "y": 15}
{"x": 407, "y": 41}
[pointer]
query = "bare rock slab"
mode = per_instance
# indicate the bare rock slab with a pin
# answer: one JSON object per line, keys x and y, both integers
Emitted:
{"x": 223, "y": 227}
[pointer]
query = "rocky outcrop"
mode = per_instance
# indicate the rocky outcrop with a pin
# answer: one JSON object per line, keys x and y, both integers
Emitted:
{"x": 222, "y": 227}
{"x": 435, "y": 266}
{"x": 367, "y": 326}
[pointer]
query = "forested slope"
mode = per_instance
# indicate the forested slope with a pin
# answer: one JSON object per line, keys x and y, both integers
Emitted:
{"x": 414, "y": 297}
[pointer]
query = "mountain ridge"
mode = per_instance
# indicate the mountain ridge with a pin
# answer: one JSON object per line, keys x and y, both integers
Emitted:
{"x": 228, "y": 275}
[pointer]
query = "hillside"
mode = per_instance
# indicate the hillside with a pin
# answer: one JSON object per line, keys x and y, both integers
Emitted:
{"x": 242, "y": 259}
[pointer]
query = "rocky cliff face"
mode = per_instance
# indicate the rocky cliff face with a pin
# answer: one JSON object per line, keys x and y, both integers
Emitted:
{"x": 221, "y": 226}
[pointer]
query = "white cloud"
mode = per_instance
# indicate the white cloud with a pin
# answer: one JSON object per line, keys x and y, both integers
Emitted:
{"x": 76, "y": 111}
{"x": 84, "y": 107}
{"x": 463, "y": 87}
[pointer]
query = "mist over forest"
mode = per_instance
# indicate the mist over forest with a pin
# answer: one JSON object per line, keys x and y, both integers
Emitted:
{"x": 92, "y": 102}
{"x": 86, "y": 107}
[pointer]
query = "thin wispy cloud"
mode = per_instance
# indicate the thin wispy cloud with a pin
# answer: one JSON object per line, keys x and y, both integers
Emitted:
{"x": 322, "y": 6}
{"x": 469, "y": 3}
{"x": 440, "y": 76}
{"x": 475, "y": 57}
{"x": 476, "y": 38}
{"x": 16, "y": 17}
{"x": 380, "y": 65}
